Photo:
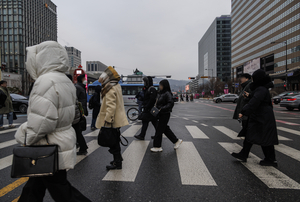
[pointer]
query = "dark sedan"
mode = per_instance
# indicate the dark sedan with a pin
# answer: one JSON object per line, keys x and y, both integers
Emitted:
{"x": 175, "y": 98}
{"x": 20, "y": 103}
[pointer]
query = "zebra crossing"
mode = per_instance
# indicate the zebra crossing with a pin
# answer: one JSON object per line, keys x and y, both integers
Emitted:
{"x": 192, "y": 168}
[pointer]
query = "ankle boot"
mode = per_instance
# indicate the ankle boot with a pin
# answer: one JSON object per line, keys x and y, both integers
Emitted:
{"x": 112, "y": 162}
{"x": 116, "y": 163}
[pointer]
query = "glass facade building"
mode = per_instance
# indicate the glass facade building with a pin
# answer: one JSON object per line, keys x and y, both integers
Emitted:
{"x": 255, "y": 25}
{"x": 24, "y": 23}
{"x": 214, "y": 50}
{"x": 74, "y": 57}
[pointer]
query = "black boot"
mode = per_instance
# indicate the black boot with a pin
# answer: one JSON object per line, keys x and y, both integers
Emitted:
{"x": 240, "y": 156}
{"x": 139, "y": 137}
{"x": 267, "y": 162}
{"x": 116, "y": 164}
{"x": 112, "y": 162}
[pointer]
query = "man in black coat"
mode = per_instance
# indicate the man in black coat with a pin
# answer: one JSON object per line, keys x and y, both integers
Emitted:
{"x": 97, "y": 105}
{"x": 261, "y": 127}
{"x": 150, "y": 94}
{"x": 242, "y": 101}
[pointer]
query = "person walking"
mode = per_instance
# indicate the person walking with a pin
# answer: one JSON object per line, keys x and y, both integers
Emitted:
{"x": 82, "y": 98}
{"x": 6, "y": 107}
{"x": 181, "y": 97}
{"x": 261, "y": 129}
{"x": 242, "y": 101}
{"x": 96, "y": 105}
{"x": 112, "y": 112}
{"x": 140, "y": 98}
{"x": 51, "y": 112}
{"x": 187, "y": 97}
{"x": 165, "y": 104}
{"x": 149, "y": 100}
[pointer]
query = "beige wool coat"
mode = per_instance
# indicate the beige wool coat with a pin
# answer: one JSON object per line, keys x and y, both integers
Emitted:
{"x": 112, "y": 109}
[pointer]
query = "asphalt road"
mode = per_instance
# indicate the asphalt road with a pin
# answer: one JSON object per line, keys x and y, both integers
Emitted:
{"x": 202, "y": 169}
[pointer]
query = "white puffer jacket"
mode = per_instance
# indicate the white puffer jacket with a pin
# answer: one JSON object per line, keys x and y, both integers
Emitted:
{"x": 52, "y": 100}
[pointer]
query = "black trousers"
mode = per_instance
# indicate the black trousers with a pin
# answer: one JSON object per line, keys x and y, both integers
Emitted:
{"x": 163, "y": 128}
{"x": 58, "y": 186}
{"x": 80, "y": 139}
{"x": 145, "y": 126}
{"x": 269, "y": 151}
{"x": 116, "y": 152}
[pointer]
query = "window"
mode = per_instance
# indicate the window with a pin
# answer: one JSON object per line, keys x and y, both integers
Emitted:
{"x": 92, "y": 67}
{"x": 89, "y": 68}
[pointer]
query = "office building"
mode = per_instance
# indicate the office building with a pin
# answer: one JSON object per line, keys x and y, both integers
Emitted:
{"x": 214, "y": 50}
{"x": 262, "y": 33}
{"x": 74, "y": 57}
{"x": 24, "y": 23}
{"x": 95, "y": 67}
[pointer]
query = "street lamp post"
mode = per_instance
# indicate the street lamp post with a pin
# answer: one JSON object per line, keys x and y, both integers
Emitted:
{"x": 286, "y": 69}
{"x": 212, "y": 77}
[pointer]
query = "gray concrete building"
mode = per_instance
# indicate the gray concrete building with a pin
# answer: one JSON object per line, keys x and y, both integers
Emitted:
{"x": 24, "y": 23}
{"x": 74, "y": 57}
{"x": 95, "y": 67}
{"x": 214, "y": 50}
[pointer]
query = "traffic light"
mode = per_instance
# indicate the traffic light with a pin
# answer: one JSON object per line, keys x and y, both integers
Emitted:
{"x": 190, "y": 78}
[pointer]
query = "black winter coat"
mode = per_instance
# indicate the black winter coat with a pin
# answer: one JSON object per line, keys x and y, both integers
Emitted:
{"x": 97, "y": 106}
{"x": 150, "y": 95}
{"x": 242, "y": 101}
{"x": 165, "y": 102}
{"x": 81, "y": 96}
{"x": 261, "y": 128}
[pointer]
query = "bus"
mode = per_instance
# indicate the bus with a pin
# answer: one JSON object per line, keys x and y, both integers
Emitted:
{"x": 129, "y": 91}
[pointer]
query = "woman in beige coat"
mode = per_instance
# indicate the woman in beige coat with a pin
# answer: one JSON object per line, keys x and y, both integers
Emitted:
{"x": 112, "y": 112}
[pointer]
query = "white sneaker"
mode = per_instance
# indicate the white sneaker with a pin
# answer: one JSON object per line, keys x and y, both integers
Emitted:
{"x": 177, "y": 144}
{"x": 156, "y": 149}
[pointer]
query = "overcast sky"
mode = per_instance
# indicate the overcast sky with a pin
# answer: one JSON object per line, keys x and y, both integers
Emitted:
{"x": 159, "y": 37}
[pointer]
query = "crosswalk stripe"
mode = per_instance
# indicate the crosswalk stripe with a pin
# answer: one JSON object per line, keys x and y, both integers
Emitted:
{"x": 291, "y": 152}
{"x": 8, "y": 130}
{"x": 295, "y": 132}
{"x": 269, "y": 175}
{"x": 203, "y": 124}
{"x": 230, "y": 133}
{"x": 283, "y": 138}
{"x": 131, "y": 131}
{"x": 133, "y": 157}
{"x": 193, "y": 170}
{"x": 16, "y": 124}
{"x": 92, "y": 146}
{"x": 7, "y": 143}
{"x": 185, "y": 118}
{"x": 195, "y": 121}
{"x": 92, "y": 134}
{"x": 5, "y": 162}
{"x": 288, "y": 123}
{"x": 196, "y": 132}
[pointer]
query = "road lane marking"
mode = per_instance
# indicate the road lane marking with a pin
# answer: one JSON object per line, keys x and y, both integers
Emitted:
{"x": 92, "y": 146}
{"x": 195, "y": 121}
{"x": 295, "y": 132}
{"x": 92, "y": 134}
{"x": 193, "y": 170}
{"x": 204, "y": 124}
{"x": 196, "y": 132}
{"x": 131, "y": 131}
{"x": 269, "y": 175}
{"x": 133, "y": 157}
{"x": 230, "y": 133}
{"x": 5, "y": 162}
{"x": 8, "y": 130}
{"x": 7, "y": 143}
{"x": 16, "y": 200}
{"x": 185, "y": 118}
{"x": 13, "y": 185}
{"x": 283, "y": 138}
{"x": 15, "y": 124}
{"x": 288, "y": 123}
{"x": 290, "y": 152}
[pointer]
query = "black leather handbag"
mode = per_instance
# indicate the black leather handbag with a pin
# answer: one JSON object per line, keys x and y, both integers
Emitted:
{"x": 34, "y": 161}
{"x": 109, "y": 136}
{"x": 154, "y": 111}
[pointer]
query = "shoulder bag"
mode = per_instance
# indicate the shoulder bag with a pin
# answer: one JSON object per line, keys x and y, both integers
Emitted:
{"x": 34, "y": 161}
{"x": 155, "y": 111}
{"x": 109, "y": 136}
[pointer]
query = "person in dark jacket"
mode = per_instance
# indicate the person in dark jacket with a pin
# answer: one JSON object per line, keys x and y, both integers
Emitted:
{"x": 165, "y": 104}
{"x": 261, "y": 129}
{"x": 242, "y": 101}
{"x": 82, "y": 98}
{"x": 140, "y": 98}
{"x": 150, "y": 94}
{"x": 97, "y": 106}
{"x": 81, "y": 92}
{"x": 187, "y": 97}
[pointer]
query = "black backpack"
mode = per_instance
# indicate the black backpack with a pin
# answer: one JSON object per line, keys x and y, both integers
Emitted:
{"x": 92, "y": 102}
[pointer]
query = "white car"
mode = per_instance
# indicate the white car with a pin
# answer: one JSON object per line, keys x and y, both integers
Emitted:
{"x": 226, "y": 98}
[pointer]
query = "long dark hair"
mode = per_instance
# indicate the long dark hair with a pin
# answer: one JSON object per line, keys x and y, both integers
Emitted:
{"x": 166, "y": 86}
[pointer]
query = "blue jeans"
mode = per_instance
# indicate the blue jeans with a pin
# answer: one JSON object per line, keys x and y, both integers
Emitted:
{"x": 10, "y": 117}
{"x": 93, "y": 123}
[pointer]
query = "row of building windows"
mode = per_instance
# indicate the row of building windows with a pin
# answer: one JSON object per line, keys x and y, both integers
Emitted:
{"x": 289, "y": 61}
{"x": 223, "y": 44}
{"x": 223, "y": 58}
{"x": 223, "y": 26}
{"x": 224, "y": 64}
{"x": 223, "y": 35}
{"x": 224, "y": 53}
{"x": 223, "y": 22}
{"x": 12, "y": 18}
{"x": 289, "y": 51}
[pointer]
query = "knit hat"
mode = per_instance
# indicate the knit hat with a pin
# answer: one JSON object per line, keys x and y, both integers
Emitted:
{"x": 80, "y": 77}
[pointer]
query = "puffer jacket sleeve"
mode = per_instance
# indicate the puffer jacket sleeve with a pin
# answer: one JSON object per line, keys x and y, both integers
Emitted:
{"x": 111, "y": 103}
{"x": 42, "y": 114}
{"x": 169, "y": 102}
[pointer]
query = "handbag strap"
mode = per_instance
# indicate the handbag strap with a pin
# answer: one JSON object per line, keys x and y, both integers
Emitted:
{"x": 124, "y": 139}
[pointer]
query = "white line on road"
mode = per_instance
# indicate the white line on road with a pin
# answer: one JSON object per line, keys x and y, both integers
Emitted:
{"x": 204, "y": 124}
{"x": 283, "y": 138}
{"x": 291, "y": 152}
{"x": 295, "y": 132}
{"x": 8, "y": 130}
{"x": 195, "y": 121}
{"x": 133, "y": 157}
{"x": 131, "y": 131}
{"x": 92, "y": 146}
{"x": 5, "y": 162}
{"x": 196, "y": 132}
{"x": 92, "y": 134}
{"x": 193, "y": 170}
{"x": 269, "y": 175}
{"x": 7, "y": 143}
{"x": 230, "y": 133}
{"x": 185, "y": 118}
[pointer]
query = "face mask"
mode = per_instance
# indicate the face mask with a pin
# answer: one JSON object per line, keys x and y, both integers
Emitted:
{"x": 84, "y": 82}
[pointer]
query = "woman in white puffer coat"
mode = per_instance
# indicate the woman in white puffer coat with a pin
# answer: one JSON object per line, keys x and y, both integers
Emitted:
{"x": 51, "y": 112}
